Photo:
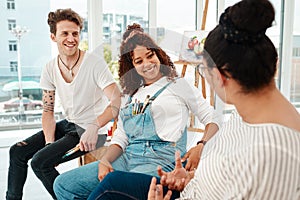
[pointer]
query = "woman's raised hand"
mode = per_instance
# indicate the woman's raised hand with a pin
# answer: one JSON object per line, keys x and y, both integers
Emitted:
{"x": 176, "y": 179}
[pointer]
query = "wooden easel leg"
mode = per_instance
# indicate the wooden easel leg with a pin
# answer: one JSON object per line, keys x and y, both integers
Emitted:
{"x": 183, "y": 70}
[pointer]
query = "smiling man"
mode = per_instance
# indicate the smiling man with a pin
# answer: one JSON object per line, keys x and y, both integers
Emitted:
{"x": 89, "y": 96}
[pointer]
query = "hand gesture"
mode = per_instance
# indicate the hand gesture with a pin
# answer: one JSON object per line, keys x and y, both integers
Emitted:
{"x": 192, "y": 157}
{"x": 89, "y": 138}
{"x": 104, "y": 168}
{"x": 156, "y": 192}
{"x": 178, "y": 178}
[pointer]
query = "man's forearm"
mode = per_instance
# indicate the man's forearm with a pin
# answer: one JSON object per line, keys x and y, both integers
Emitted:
{"x": 48, "y": 125}
{"x": 112, "y": 153}
{"x": 48, "y": 120}
{"x": 112, "y": 110}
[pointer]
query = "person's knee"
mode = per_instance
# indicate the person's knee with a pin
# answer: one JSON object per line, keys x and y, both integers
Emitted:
{"x": 66, "y": 188}
{"x": 58, "y": 186}
{"x": 37, "y": 162}
{"x": 16, "y": 151}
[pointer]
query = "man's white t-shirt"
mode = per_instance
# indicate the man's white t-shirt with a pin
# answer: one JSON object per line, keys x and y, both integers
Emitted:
{"x": 82, "y": 99}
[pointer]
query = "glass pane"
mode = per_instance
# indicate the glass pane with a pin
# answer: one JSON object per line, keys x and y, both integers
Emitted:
{"x": 173, "y": 18}
{"x": 30, "y": 57}
{"x": 295, "y": 79}
{"x": 117, "y": 14}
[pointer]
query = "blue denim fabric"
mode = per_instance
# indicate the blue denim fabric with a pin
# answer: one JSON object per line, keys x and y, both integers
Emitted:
{"x": 77, "y": 183}
{"x": 143, "y": 154}
{"x": 125, "y": 186}
{"x": 146, "y": 150}
{"x": 44, "y": 158}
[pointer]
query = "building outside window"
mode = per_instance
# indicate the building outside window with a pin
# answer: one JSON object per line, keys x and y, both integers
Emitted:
{"x": 11, "y": 24}
{"x": 13, "y": 65}
{"x": 10, "y": 4}
{"x": 296, "y": 52}
{"x": 12, "y": 45}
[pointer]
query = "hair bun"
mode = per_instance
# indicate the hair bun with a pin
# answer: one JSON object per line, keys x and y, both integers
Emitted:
{"x": 134, "y": 27}
{"x": 247, "y": 21}
{"x": 252, "y": 15}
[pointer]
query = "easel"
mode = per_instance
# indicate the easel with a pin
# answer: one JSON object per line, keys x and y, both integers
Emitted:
{"x": 197, "y": 76}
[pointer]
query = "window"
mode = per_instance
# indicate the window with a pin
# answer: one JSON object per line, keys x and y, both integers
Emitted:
{"x": 13, "y": 66}
{"x": 11, "y": 4}
{"x": 116, "y": 16}
{"x": 171, "y": 24}
{"x": 295, "y": 73}
{"x": 11, "y": 24}
{"x": 12, "y": 45}
{"x": 296, "y": 52}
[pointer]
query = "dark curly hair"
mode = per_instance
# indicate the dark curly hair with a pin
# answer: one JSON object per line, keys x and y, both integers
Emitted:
{"x": 61, "y": 15}
{"x": 134, "y": 36}
{"x": 238, "y": 45}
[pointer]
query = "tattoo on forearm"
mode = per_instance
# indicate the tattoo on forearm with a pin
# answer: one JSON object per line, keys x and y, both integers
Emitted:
{"x": 48, "y": 100}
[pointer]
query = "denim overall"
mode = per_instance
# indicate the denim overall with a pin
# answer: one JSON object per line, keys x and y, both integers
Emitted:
{"x": 145, "y": 150}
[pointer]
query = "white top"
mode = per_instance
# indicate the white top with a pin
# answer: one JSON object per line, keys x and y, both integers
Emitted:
{"x": 170, "y": 109}
{"x": 82, "y": 99}
{"x": 248, "y": 161}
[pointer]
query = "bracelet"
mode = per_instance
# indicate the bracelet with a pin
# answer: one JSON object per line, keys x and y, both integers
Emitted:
{"x": 114, "y": 107}
{"x": 202, "y": 141}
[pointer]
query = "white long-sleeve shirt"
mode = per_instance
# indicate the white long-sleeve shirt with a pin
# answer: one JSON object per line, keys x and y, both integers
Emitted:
{"x": 248, "y": 161}
{"x": 170, "y": 109}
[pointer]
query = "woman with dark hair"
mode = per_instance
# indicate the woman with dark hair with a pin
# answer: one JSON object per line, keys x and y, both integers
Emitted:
{"x": 152, "y": 121}
{"x": 256, "y": 153}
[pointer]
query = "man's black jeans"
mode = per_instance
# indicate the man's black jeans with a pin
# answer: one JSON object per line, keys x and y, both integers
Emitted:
{"x": 44, "y": 158}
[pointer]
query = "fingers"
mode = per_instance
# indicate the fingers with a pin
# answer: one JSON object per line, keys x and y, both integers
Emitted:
{"x": 160, "y": 172}
{"x": 87, "y": 146}
{"x": 156, "y": 191}
{"x": 152, "y": 188}
{"x": 163, "y": 180}
{"x": 168, "y": 195}
{"x": 102, "y": 174}
{"x": 191, "y": 165}
{"x": 103, "y": 169}
{"x": 185, "y": 157}
{"x": 188, "y": 165}
{"x": 81, "y": 146}
{"x": 193, "y": 159}
{"x": 179, "y": 185}
{"x": 178, "y": 163}
{"x": 159, "y": 192}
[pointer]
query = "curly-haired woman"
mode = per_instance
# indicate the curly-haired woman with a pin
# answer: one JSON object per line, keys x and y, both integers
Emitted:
{"x": 152, "y": 122}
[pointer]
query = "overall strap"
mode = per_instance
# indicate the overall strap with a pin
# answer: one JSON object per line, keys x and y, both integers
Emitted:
{"x": 159, "y": 92}
{"x": 154, "y": 96}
